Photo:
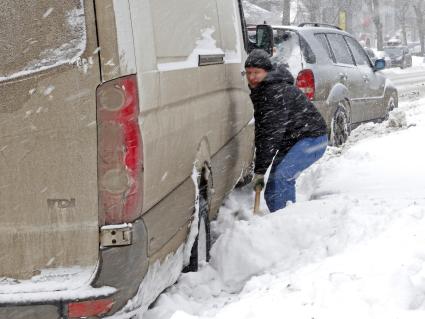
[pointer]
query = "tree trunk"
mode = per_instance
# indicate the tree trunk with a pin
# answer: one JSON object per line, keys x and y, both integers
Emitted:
{"x": 313, "y": 8}
{"x": 404, "y": 33}
{"x": 378, "y": 24}
{"x": 420, "y": 23}
{"x": 401, "y": 10}
{"x": 286, "y": 17}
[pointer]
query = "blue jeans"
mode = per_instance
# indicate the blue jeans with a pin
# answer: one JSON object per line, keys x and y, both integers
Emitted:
{"x": 281, "y": 183}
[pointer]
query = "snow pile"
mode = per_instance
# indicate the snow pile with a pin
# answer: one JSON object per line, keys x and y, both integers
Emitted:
{"x": 353, "y": 245}
{"x": 397, "y": 118}
{"x": 418, "y": 61}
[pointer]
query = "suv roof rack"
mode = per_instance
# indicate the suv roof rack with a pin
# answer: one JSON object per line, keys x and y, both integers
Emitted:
{"x": 318, "y": 24}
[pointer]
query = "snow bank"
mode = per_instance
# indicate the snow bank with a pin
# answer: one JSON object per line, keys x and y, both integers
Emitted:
{"x": 353, "y": 245}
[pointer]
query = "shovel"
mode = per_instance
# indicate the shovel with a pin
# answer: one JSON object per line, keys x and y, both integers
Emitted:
{"x": 258, "y": 190}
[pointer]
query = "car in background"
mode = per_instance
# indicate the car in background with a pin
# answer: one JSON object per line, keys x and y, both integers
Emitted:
{"x": 400, "y": 56}
{"x": 395, "y": 41}
{"x": 336, "y": 74}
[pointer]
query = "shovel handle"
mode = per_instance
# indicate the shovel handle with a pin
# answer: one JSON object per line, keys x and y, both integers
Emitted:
{"x": 258, "y": 190}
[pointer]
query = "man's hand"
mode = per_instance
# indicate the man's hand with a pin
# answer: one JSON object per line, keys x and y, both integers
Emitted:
{"x": 258, "y": 181}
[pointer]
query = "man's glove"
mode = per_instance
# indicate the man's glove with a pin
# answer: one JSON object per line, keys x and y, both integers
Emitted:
{"x": 258, "y": 181}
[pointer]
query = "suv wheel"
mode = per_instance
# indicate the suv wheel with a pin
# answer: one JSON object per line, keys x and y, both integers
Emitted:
{"x": 391, "y": 102}
{"x": 340, "y": 126}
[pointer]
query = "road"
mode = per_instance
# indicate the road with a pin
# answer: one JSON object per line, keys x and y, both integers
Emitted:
{"x": 409, "y": 82}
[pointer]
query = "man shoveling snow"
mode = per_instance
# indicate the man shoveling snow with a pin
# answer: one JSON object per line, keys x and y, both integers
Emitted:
{"x": 290, "y": 134}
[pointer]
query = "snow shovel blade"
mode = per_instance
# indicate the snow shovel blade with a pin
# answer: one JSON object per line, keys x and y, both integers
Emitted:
{"x": 258, "y": 189}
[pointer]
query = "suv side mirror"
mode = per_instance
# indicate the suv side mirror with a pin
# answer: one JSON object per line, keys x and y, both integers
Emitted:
{"x": 265, "y": 38}
{"x": 379, "y": 65}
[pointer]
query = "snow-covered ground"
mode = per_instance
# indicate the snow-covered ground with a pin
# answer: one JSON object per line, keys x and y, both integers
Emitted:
{"x": 353, "y": 246}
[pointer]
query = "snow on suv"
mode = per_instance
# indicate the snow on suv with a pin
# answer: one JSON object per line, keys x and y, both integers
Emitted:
{"x": 335, "y": 72}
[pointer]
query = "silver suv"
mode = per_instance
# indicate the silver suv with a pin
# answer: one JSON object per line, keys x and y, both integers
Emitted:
{"x": 336, "y": 73}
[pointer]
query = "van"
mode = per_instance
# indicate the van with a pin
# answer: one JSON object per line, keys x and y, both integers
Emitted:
{"x": 123, "y": 125}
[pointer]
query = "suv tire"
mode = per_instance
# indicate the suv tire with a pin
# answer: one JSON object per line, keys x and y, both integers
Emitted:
{"x": 340, "y": 126}
{"x": 391, "y": 102}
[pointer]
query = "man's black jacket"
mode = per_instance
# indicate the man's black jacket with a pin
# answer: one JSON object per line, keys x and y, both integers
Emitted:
{"x": 283, "y": 116}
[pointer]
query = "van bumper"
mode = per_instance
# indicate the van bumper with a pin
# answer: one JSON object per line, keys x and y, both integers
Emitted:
{"x": 53, "y": 311}
{"x": 124, "y": 267}
{"x": 121, "y": 268}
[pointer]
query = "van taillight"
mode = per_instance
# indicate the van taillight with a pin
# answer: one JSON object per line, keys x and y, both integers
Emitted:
{"x": 305, "y": 82}
{"x": 92, "y": 308}
{"x": 120, "y": 151}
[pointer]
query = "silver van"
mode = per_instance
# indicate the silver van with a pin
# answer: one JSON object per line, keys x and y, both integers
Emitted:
{"x": 123, "y": 125}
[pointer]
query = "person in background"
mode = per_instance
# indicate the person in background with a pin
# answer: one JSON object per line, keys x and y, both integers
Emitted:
{"x": 290, "y": 134}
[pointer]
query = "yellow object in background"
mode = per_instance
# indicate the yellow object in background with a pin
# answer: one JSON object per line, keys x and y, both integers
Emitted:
{"x": 342, "y": 22}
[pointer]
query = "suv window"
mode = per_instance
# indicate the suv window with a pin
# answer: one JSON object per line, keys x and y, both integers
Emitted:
{"x": 340, "y": 49}
{"x": 358, "y": 52}
{"x": 370, "y": 52}
{"x": 322, "y": 39}
{"x": 309, "y": 56}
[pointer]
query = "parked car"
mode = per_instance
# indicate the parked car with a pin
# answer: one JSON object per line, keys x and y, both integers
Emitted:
{"x": 122, "y": 129}
{"x": 335, "y": 72}
{"x": 395, "y": 41}
{"x": 400, "y": 56}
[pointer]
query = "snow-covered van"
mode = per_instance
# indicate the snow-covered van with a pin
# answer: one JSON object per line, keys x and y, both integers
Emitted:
{"x": 123, "y": 125}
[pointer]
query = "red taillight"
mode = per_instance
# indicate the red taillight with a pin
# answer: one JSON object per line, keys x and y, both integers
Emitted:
{"x": 305, "y": 82}
{"x": 90, "y": 308}
{"x": 120, "y": 151}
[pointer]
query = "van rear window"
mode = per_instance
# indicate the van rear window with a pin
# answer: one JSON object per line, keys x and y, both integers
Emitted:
{"x": 38, "y": 35}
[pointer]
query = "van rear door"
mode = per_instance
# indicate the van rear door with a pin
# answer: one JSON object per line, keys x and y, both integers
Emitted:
{"x": 49, "y": 72}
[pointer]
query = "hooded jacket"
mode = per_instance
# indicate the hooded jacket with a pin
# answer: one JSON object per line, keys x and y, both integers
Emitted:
{"x": 283, "y": 116}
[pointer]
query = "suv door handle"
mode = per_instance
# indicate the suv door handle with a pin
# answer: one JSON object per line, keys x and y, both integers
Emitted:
{"x": 343, "y": 76}
{"x": 365, "y": 78}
